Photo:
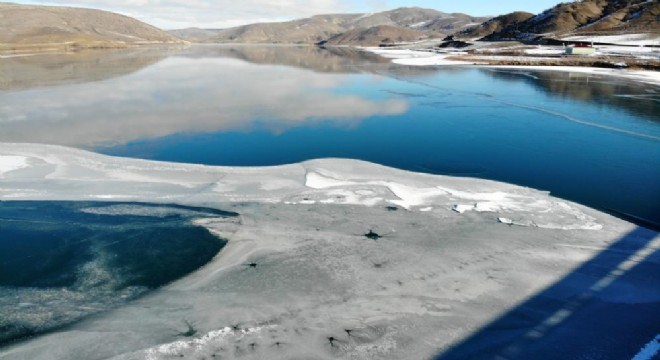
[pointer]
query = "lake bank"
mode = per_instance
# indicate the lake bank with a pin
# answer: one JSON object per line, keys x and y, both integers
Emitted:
{"x": 633, "y": 68}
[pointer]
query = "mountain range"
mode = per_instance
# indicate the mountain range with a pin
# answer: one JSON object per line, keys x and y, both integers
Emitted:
{"x": 39, "y": 27}
{"x": 412, "y": 24}
{"x": 398, "y": 25}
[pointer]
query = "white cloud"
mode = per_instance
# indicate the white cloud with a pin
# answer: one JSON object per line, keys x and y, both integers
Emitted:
{"x": 172, "y": 14}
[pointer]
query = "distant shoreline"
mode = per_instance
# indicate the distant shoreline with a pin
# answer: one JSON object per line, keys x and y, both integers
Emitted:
{"x": 632, "y": 68}
{"x": 45, "y": 48}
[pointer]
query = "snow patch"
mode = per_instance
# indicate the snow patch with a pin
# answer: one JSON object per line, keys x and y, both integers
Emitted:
{"x": 108, "y": 196}
{"x": 542, "y": 50}
{"x": 417, "y": 58}
{"x": 15, "y": 56}
{"x": 462, "y": 208}
{"x": 412, "y": 196}
{"x": 364, "y": 16}
{"x": 537, "y": 212}
{"x": 318, "y": 181}
{"x": 488, "y": 206}
{"x": 624, "y": 39}
{"x": 177, "y": 347}
{"x": 419, "y": 24}
{"x": 10, "y": 163}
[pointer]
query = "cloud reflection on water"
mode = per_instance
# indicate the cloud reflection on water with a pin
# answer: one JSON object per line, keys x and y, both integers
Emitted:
{"x": 184, "y": 95}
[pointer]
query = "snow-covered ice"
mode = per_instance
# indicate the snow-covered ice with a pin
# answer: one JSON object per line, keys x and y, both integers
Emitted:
{"x": 447, "y": 261}
{"x": 418, "y": 58}
{"x": 650, "y": 77}
{"x": 11, "y": 163}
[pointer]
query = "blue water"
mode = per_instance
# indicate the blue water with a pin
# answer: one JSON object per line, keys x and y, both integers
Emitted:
{"x": 590, "y": 139}
{"x": 63, "y": 261}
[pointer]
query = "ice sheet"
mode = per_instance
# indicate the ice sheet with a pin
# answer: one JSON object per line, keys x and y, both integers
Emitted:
{"x": 429, "y": 278}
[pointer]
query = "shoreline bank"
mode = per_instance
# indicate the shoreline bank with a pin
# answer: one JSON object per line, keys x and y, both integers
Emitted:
{"x": 458, "y": 58}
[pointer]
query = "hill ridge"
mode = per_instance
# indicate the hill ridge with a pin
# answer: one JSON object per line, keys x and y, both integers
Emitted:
{"x": 35, "y": 27}
{"x": 402, "y": 23}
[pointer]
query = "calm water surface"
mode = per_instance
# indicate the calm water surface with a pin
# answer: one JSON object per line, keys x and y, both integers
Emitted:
{"x": 590, "y": 139}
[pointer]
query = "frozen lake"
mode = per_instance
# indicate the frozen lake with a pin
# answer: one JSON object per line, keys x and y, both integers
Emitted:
{"x": 585, "y": 138}
{"x": 327, "y": 259}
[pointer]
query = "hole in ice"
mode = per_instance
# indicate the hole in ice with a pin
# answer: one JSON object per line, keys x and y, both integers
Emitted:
{"x": 69, "y": 260}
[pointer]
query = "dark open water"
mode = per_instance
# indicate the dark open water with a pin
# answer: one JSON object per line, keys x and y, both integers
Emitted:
{"x": 63, "y": 261}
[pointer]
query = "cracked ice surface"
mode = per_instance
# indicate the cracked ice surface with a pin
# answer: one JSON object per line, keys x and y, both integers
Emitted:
{"x": 436, "y": 275}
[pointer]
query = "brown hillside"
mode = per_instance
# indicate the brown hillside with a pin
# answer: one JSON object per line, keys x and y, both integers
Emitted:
{"x": 323, "y": 27}
{"x": 494, "y": 25}
{"x": 587, "y": 16}
{"x": 404, "y": 17}
{"x": 565, "y": 17}
{"x": 453, "y": 22}
{"x": 627, "y": 16}
{"x": 380, "y": 35}
{"x": 28, "y": 26}
{"x": 303, "y": 31}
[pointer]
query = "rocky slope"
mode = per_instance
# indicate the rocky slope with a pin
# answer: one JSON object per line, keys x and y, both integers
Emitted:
{"x": 404, "y": 17}
{"x": 451, "y": 23}
{"x": 632, "y": 16}
{"x": 587, "y": 16}
{"x": 41, "y": 27}
{"x": 493, "y": 25}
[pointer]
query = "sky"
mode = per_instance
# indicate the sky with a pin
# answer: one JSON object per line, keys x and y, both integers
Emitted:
{"x": 177, "y": 14}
